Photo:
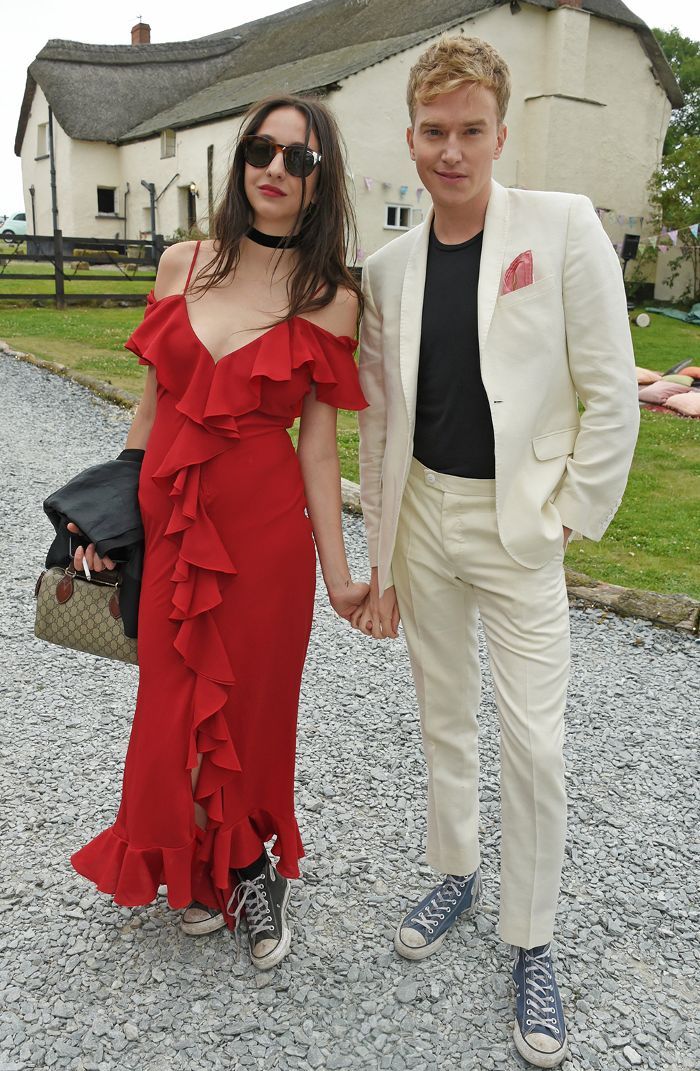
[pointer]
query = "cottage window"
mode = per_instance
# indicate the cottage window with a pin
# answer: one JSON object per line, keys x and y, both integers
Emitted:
{"x": 167, "y": 143}
{"x": 106, "y": 200}
{"x": 397, "y": 217}
{"x": 42, "y": 144}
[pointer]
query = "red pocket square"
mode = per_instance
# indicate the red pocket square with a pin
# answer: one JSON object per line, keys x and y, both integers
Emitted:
{"x": 518, "y": 273}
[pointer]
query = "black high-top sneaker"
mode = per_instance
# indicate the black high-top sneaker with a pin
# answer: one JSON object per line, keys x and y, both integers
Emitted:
{"x": 264, "y": 901}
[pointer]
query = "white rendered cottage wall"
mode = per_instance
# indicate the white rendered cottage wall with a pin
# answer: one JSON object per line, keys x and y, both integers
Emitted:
{"x": 606, "y": 150}
{"x": 142, "y": 160}
{"x": 80, "y": 167}
{"x": 91, "y": 164}
{"x": 36, "y": 170}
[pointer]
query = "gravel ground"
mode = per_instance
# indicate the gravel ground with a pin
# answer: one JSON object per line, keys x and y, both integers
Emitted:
{"x": 89, "y": 986}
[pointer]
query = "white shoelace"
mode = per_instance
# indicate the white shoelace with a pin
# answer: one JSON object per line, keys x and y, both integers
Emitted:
{"x": 540, "y": 1004}
{"x": 446, "y": 895}
{"x": 252, "y": 897}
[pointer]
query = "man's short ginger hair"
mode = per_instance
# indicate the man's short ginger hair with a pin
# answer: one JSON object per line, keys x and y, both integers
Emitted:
{"x": 453, "y": 62}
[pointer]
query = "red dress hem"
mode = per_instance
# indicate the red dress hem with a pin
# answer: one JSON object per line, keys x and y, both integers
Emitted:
{"x": 198, "y": 870}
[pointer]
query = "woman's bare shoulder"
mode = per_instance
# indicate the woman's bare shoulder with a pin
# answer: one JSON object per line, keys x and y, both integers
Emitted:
{"x": 175, "y": 264}
{"x": 339, "y": 316}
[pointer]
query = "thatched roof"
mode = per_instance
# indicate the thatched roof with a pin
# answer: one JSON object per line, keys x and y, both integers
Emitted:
{"x": 234, "y": 94}
{"x": 119, "y": 93}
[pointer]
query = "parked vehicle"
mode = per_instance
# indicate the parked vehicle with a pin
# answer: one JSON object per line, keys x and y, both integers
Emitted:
{"x": 14, "y": 228}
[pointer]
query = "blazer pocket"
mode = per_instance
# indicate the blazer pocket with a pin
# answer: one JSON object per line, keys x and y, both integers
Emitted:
{"x": 527, "y": 293}
{"x": 554, "y": 444}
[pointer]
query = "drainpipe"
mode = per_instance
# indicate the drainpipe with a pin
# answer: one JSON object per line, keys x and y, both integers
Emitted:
{"x": 32, "y": 194}
{"x": 52, "y": 163}
{"x": 151, "y": 187}
{"x": 126, "y": 194}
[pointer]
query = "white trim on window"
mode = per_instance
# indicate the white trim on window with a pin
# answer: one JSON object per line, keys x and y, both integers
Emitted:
{"x": 167, "y": 143}
{"x": 42, "y": 144}
{"x": 397, "y": 217}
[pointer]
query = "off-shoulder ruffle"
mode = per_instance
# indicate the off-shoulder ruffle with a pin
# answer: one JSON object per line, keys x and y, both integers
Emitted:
{"x": 235, "y": 384}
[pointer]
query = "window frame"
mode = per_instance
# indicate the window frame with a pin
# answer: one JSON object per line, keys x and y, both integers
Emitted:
{"x": 168, "y": 140}
{"x": 113, "y": 210}
{"x": 42, "y": 141}
{"x": 399, "y": 209}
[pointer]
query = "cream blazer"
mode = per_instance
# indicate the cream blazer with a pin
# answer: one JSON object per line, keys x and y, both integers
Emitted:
{"x": 543, "y": 349}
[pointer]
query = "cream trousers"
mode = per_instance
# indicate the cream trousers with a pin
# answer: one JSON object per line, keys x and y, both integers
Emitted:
{"x": 449, "y": 566}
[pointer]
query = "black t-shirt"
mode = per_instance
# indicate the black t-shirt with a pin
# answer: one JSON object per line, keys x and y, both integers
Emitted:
{"x": 454, "y": 432}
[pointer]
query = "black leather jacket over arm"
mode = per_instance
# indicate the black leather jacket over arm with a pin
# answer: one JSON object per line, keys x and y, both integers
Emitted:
{"x": 103, "y": 502}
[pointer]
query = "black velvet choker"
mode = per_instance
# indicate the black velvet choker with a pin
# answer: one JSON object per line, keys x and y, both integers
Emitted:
{"x": 273, "y": 241}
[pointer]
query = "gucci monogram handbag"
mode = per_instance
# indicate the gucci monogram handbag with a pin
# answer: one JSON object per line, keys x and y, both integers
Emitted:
{"x": 82, "y": 614}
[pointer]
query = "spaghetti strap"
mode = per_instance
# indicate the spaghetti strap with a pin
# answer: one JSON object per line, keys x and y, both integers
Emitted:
{"x": 189, "y": 274}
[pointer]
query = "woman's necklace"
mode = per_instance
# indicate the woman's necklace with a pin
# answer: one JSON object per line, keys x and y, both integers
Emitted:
{"x": 273, "y": 241}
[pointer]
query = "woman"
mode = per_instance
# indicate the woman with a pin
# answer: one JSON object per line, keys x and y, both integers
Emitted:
{"x": 241, "y": 335}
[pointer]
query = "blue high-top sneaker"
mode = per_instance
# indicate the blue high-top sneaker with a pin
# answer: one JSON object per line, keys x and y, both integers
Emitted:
{"x": 425, "y": 927}
{"x": 540, "y": 1031}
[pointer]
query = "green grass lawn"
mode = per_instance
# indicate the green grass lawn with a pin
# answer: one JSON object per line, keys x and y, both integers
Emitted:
{"x": 652, "y": 542}
{"x": 93, "y": 280}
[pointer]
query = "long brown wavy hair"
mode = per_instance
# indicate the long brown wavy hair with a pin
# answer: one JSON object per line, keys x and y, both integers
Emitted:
{"x": 328, "y": 231}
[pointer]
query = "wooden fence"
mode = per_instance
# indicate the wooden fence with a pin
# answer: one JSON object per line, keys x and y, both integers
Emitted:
{"x": 55, "y": 249}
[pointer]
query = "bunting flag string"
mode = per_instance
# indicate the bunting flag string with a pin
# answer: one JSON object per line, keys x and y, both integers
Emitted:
{"x": 670, "y": 237}
{"x": 664, "y": 241}
{"x": 624, "y": 221}
{"x": 370, "y": 183}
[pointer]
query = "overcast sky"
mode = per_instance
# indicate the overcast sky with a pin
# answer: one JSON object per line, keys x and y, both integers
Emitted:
{"x": 27, "y": 28}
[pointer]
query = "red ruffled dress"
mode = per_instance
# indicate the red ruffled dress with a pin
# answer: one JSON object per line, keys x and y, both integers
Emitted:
{"x": 225, "y": 612}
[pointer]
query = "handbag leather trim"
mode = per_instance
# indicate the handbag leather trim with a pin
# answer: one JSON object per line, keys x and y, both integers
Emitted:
{"x": 64, "y": 589}
{"x": 114, "y": 608}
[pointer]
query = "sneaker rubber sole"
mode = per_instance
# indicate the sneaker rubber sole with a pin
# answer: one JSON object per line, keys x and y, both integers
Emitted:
{"x": 536, "y": 1056}
{"x": 205, "y": 926}
{"x": 265, "y": 963}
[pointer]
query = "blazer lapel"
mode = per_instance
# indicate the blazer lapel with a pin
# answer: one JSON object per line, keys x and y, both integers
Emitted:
{"x": 492, "y": 252}
{"x": 412, "y": 314}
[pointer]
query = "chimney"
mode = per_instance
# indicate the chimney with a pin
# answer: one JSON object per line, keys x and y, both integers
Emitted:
{"x": 567, "y": 3}
{"x": 141, "y": 34}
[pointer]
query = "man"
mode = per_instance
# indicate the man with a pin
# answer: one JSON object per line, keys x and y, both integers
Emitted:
{"x": 483, "y": 328}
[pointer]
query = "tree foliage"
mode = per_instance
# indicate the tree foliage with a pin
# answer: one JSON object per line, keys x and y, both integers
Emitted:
{"x": 674, "y": 190}
{"x": 675, "y": 186}
{"x": 683, "y": 55}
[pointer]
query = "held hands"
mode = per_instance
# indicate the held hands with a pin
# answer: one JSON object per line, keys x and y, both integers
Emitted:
{"x": 88, "y": 556}
{"x": 347, "y": 601}
{"x": 378, "y": 617}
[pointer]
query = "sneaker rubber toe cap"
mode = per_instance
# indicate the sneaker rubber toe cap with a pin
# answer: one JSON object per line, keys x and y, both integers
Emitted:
{"x": 541, "y": 1050}
{"x": 264, "y": 948}
{"x": 411, "y": 938}
{"x": 542, "y": 1042}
